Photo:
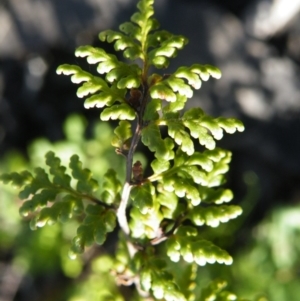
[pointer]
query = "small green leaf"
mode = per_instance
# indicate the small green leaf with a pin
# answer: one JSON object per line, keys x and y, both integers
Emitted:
{"x": 78, "y": 75}
{"x": 145, "y": 224}
{"x": 178, "y": 86}
{"x": 111, "y": 188}
{"x": 161, "y": 91}
{"x": 182, "y": 187}
{"x": 176, "y": 106}
{"x": 85, "y": 183}
{"x": 156, "y": 279}
{"x": 145, "y": 279}
{"x": 92, "y": 86}
{"x": 200, "y": 159}
{"x": 142, "y": 197}
{"x": 168, "y": 202}
{"x": 94, "y": 55}
{"x": 205, "y": 71}
{"x": 122, "y": 135}
{"x": 58, "y": 171}
{"x": 151, "y": 110}
{"x": 230, "y": 125}
{"x": 217, "y": 196}
{"x": 39, "y": 200}
{"x": 97, "y": 223}
{"x": 60, "y": 211}
{"x": 17, "y": 179}
{"x": 205, "y": 127}
{"x": 122, "y": 112}
{"x": 213, "y": 215}
{"x": 192, "y": 78}
{"x": 105, "y": 98}
{"x": 163, "y": 148}
{"x": 213, "y": 71}
{"x": 129, "y": 82}
{"x": 160, "y": 165}
{"x": 177, "y": 131}
{"x": 168, "y": 48}
{"x": 186, "y": 243}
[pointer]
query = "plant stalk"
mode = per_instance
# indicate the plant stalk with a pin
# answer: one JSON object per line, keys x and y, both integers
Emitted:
{"x": 121, "y": 212}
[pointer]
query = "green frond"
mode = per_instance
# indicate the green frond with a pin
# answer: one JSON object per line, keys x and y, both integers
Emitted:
{"x": 183, "y": 186}
{"x": 125, "y": 75}
{"x": 182, "y": 81}
{"x": 106, "y": 95}
{"x": 132, "y": 39}
{"x": 122, "y": 135}
{"x": 98, "y": 55}
{"x": 168, "y": 88}
{"x": 120, "y": 111}
{"x": 144, "y": 20}
{"x": 156, "y": 279}
{"x": 111, "y": 188}
{"x": 41, "y": 189}
{"x": 168, "y": 48}
{"x": 62, "y": 210}
{"x": 85, "y": 183}
{"x": 207, "y": 128}
{"x": 78, "y": 75}
{"x": 122, "y": 42}
{"x": 216, "y": 196}
{"x": 142, "y": 196}
{"x": 214, "y": 215}
{"x": 17, "y": 180}
{"x": 168, "y": 203}
{"x": 177, "y": 131}
{"x": 97, "y": 223}
{"x": 163, "y": 148}
{"x": 146, "y": 223}
{"x": 38, "y": 200}
{"x": 190, "y": 173}
{"x": 162, "y": 92}
{"x": 187, "y": 244}
{"x": 152, "y": 108}
{"x": 58, "y": 171}
{"x": 201, "y": 126}
{"x": 160, "y": 165}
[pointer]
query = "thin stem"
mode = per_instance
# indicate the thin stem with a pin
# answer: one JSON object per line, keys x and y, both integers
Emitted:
{"x": 121, "y": 212}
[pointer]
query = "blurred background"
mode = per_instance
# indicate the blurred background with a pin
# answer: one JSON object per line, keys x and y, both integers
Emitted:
{"x": 256, "y": 44}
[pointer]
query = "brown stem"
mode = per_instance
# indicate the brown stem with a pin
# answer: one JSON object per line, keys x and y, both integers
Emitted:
{"x": 121, "y": 212}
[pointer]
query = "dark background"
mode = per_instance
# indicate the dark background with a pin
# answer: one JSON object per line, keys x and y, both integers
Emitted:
{"x": 256, "y": 44}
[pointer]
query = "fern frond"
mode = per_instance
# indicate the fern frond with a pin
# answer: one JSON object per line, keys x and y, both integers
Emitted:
{"x": 156, "y": 279}
{"x": 106, "y": 96}
{"x": 97, "y": 223}
{"x": 187, "y": 243}
{"x": 205, "y": 169}
{"x": 163, "y": 148}
{"x": 214, "y": 215}
{"x": 166, "y": 89}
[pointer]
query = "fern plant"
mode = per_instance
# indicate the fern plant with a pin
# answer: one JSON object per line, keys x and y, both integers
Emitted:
{"x": 159, "y": 214}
